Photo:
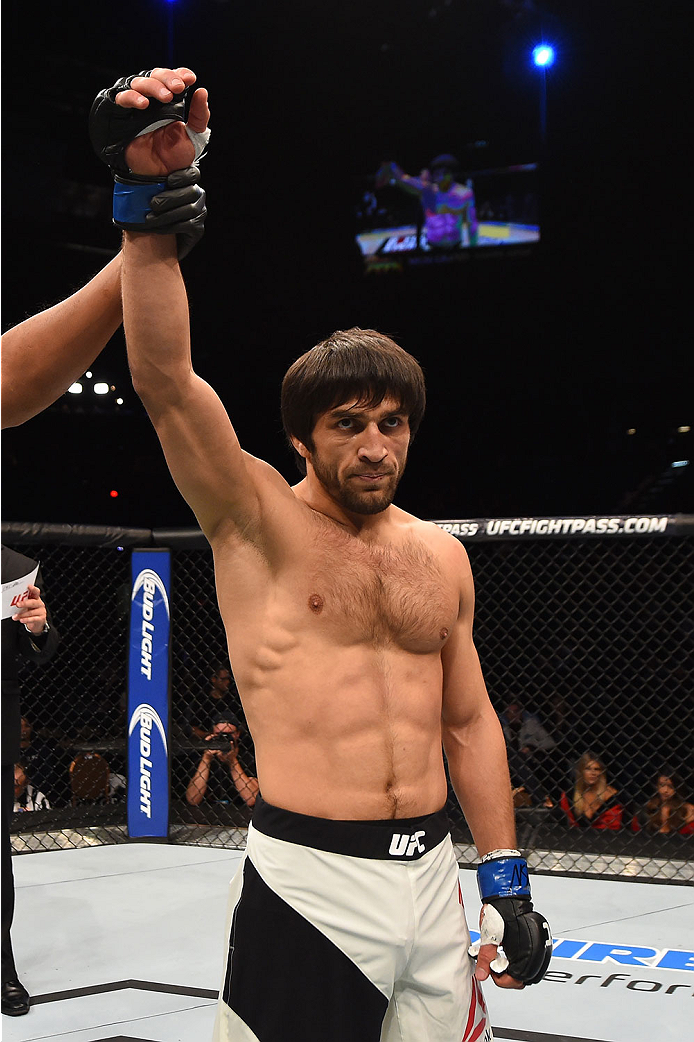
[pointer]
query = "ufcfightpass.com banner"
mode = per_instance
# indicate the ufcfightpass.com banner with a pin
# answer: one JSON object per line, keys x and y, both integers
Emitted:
{"x": 569, "y": 527}
{"x": 148, "y": 694}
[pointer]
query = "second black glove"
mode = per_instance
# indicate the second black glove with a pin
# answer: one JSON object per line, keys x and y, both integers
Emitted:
{"x": 173, "y": 205}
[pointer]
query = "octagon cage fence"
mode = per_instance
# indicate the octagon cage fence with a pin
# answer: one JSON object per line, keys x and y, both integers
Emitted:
{"x": 584, "y": 629}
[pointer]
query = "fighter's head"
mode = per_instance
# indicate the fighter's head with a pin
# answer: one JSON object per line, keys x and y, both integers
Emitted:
{"x": 444, "y": 169}
{"x": 363, "y": 371}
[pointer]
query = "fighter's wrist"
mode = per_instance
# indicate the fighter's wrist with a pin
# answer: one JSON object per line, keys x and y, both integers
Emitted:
{"x": 131, "y": 200}
{"x": 502, "y": 852}
{"x": 504, "y": 877}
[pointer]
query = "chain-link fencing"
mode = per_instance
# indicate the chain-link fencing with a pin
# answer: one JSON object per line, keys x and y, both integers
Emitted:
{"x": 586, "y": 647}
{"x": 212, "y": 778}
{"x": 73, "y": 750}
{"x": 585, "y": 641}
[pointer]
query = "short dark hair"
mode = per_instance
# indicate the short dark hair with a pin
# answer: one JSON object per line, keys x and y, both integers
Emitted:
{"x": 359, "y": 364}
{"x": 227, "y": 717}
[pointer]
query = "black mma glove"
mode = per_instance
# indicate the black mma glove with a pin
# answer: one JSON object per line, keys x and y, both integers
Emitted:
{"x": 508, "y": 919}
{"x": 178, "y": 209}
{"x": 168, "y": 205}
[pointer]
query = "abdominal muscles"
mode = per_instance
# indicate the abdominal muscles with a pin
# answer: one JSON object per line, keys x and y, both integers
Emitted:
{"x": 340, "y": 676}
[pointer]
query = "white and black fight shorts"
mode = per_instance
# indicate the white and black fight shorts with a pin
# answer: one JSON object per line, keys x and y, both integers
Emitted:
{"x": 348, "y": 931}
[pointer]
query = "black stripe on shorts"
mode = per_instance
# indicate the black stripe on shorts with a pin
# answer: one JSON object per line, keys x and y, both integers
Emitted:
{"x": 387, "y": 839}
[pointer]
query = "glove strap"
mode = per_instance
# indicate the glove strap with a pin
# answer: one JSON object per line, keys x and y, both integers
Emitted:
{"x": 131, "y": 200}
{"x": 504, "y": 877}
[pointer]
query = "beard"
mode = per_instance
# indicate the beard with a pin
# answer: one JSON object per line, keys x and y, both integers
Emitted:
{"x": 356, "y": 500}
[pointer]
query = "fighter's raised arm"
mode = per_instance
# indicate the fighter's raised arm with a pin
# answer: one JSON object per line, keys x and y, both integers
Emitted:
{"x": 218, "y": 480}
{"x": 390, "y": 173}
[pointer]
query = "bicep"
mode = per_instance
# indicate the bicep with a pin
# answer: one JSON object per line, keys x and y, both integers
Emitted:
{"x": 464, "y": 691}
{"x": 203, "y": 454}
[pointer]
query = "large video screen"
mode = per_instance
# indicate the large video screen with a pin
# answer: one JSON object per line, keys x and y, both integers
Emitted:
{"x": 442, "y": 214}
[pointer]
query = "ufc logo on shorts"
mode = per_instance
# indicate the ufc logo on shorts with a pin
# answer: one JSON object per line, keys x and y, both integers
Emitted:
{"x": 404, "y": 845}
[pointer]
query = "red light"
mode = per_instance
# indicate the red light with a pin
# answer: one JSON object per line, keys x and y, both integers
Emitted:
{"x": 113, "y": 494}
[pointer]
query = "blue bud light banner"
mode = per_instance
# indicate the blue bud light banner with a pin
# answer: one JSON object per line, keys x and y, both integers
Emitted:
{"x": 148, "y": 695}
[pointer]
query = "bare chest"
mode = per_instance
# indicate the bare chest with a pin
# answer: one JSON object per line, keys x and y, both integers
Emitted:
{"x": 379, "y": 594}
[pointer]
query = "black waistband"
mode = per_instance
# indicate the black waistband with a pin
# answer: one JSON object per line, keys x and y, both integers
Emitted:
{"x": 388, "y": 839}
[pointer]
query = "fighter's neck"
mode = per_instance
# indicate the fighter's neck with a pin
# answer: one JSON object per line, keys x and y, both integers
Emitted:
{"x": 366, "y": 526}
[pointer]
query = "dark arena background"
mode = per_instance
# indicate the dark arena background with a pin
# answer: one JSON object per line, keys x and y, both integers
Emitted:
{"x": 557, "y": 444}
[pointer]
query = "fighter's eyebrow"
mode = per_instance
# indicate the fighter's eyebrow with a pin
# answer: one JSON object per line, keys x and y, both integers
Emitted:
{"x": 355, "y": 410}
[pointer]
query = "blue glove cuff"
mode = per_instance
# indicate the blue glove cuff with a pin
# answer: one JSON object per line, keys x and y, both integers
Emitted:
{"x": 131, "y": 201}
{"x": 506, "y": 877}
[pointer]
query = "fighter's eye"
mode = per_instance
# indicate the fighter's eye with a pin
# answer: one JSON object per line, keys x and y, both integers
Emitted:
{"x": 392, "y": 421}
{"x": 345, "y": 423}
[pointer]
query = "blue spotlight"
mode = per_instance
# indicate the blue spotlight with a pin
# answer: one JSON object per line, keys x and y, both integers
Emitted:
{"x": 543, "y": 55}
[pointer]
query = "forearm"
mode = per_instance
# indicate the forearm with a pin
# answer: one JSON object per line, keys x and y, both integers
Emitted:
{"x": 42, "y": 356}
{"x": 155, "y": 315}
{"x": 197, "y": 786}
{"x": 479, "y": 772}
{"x": 246, "y": 786}
{"x": 412, "y": 185}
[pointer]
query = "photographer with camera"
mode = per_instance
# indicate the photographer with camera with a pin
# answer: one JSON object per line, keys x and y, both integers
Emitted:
{"x": 219, "y": 775}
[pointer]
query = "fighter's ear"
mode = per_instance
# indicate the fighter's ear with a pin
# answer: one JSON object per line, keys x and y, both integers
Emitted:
{"x": 300, "y": 447}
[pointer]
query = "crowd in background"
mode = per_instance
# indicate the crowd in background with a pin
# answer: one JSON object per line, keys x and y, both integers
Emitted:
{"x": 578, "y": 790}
{"x": 553, "y": 761}
{"x": 79, "y": 755}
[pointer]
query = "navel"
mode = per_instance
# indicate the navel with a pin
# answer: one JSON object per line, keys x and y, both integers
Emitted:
{"x": 315, "y": 603}
{"x": 444, "y": 633}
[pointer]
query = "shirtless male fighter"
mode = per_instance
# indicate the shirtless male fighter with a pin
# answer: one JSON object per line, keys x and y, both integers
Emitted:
{"x": 446, "y": 204}
{"x": 349, "y": 624}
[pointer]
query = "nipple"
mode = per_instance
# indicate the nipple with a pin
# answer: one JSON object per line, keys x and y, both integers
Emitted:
{"x": 444, "y": 633}
{"x": 315, "y": 603}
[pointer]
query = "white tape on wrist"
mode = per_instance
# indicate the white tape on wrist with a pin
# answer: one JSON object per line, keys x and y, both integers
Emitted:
{"x": 199, "y": 140}
{"x": 500, "y": 853}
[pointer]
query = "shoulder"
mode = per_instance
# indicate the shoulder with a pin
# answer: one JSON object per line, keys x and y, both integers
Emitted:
{"x": 448, "y": 551}
{"x": 15, "y": 565}
{"x": 434, "y": 536}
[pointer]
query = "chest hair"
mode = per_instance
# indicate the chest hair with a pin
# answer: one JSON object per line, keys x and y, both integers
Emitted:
{"x": 381, "y": 593}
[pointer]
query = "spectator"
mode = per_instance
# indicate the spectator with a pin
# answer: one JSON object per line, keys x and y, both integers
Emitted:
{"x": 527, "y": 746}
{"x": 667, "y": 813}
{"x": 221, "y": 698}
{"x": 46, "y": 762}
{"x": 594, "y": 803}
{"x": 117, "y": 787}
{"x": 219, "y": 777}
{"x": 563, "y": 721}
{"x": 26, "y": 797}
